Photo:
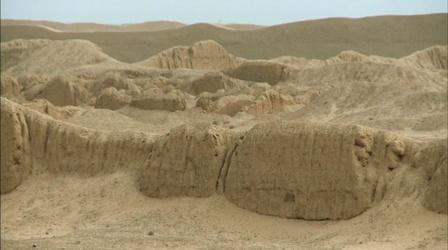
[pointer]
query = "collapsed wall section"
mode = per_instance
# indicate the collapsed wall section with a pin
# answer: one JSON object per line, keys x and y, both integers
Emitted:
{"x": 186, "y": 162}
{"x": 14, "y": 146}
{"x": 433, "y": 159}
{"x": 300, "y": 171}
{"x": 316, "y": 171}
{"x": 292, "y": 170}
{"x": 33, "y": 142}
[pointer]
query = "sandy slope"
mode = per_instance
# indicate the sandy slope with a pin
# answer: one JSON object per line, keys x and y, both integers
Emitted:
{"x": 131, "y": 27}
{"x": 109, "y": 213}
{"x": 95, "y": 27}
{"x": 393, "y": 36}
{"x": 188, "y": 148}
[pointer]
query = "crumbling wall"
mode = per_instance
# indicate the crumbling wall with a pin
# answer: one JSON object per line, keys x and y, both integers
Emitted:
{"x": 187, "y": 162}
{"x": 260, "y": 71}
{"x": 287, "y": 169}
{"x": 33, "y": 142}
{"x": 315, "y": 171}
{"x": 433, "y": 159}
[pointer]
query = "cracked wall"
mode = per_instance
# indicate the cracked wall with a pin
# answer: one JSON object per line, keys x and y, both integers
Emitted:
{"x": 292, "y": 170}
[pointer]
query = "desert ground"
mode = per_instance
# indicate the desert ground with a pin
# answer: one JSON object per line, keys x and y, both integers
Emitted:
{"x": 321, "y": 134}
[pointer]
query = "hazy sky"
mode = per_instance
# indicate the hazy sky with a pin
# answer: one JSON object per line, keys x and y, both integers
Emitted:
{"x": 212, "y": 11}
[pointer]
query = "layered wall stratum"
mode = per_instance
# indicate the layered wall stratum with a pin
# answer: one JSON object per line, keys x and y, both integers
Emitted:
{"x": 288, "y": 169}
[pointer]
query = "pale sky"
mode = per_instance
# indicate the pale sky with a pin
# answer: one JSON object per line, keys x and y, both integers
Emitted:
{"x": 265, "y": 12}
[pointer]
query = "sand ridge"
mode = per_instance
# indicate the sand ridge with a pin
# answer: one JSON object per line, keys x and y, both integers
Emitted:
{"x": 129, "y": 27}
{"x": 391, "y": 36}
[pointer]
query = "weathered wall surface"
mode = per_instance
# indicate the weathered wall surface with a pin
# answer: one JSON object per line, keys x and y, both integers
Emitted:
{"x": 61, "y": 92}
{"x": 433, "y": 159}
{"x": 300, "y": 171}
{"x": 170, "y": 102}
{"x": 14, "y": 134}
{"x": 187, "y": 161}
{"x": 112, "y": 99}
{"x": 34, "y": 142}
{"x": 319, "y": 172}
{"x": 293, "y": 170}
{"x": 202, "y": 55}
{"x": 260, "y": 71}
{"x": 9, "y": 87}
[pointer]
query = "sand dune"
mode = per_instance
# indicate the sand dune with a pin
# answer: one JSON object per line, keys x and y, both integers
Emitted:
{"x": 47, "y": 57}
{"x": 238, "y": 26}
{"x": 131, "y": 27}
{"x": 391, "y": 36}
{"x": 95, "y": 27}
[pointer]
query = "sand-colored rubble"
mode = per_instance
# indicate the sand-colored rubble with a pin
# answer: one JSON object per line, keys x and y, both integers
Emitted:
{"x": 202, "y": 55}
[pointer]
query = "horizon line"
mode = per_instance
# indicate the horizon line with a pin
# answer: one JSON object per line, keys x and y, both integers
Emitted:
{"x": 218, "y": 23}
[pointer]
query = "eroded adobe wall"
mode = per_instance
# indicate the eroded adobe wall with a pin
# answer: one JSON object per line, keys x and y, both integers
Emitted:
{"x": 290, "y": 169}
{"x": 33, "y": 142}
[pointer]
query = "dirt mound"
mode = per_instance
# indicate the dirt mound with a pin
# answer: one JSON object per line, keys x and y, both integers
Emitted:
{"x": 169, "y": 102}
{"x": 112, "y": 99}
{"x": 232, "y": 104}
{"x": 349, "y": 88}
{"x": 10, "y": 88}
{"x": 365, "y": 72}
{"x": 269, "y": 101}
{"x": 435, "y": 57}
{"x": 353, "y": 57}
{"x": 186, "y": 162}
{"x": 202, "y": 55}
{"x": 117, "y": 81}
{"x": 45, "y": 107}
{"x": 61, "y": 92}
{"x": 434, "y": 157}
{"x": 49, "y": 57}
{"x": 32, "y": 85}
{"x": 212, "y": 82}
{"x": 348, "y": 57}
{"x": 372, "y": 94}
{"x": 14, "y": 51}
{"x": 297, "y": 62}
{"x": 260, "y": 71}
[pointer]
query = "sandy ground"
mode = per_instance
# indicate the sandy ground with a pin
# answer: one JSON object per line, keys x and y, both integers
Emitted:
{"x": 107, "y": 212}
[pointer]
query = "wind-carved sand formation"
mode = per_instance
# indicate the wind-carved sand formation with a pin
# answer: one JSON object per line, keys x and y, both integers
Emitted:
{"x": 353, "y": 143}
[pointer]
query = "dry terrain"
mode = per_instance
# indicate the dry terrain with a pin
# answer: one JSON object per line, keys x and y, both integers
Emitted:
{"x": 391, "y": 36}
{"x": 132, "y": 27}
{"x": 325, "y": 134}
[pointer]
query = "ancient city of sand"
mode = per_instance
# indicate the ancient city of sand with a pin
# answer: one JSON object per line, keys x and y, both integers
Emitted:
{"x": 322, "y": 134}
